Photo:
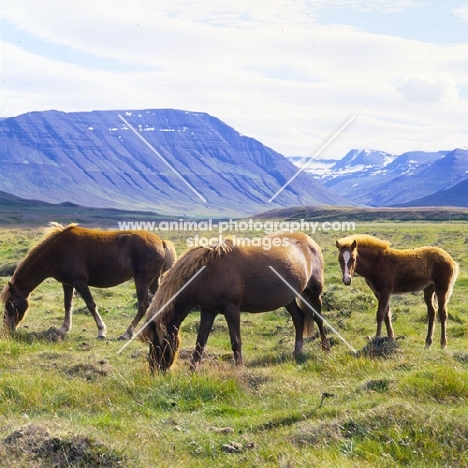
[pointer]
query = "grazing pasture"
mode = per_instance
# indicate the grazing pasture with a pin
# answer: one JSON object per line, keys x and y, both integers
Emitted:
{"x": 77, "y": 401}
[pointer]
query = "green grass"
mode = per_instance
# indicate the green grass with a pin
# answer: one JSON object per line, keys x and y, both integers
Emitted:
{"x": 80, "y": 397}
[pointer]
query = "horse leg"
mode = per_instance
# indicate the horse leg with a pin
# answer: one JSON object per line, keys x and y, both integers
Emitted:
{"x": 442, "y": 299}
{"x": 85, "y": 293}
{"x": 143, "y": 303}
{"x": 232, "y": 315}
{"x": 68, "y": 303}
{"x": 315, "y": 300}
{"x": 382, "y": 314}
{"x": 388, "y": 322}
{"x": 206, "y": 324}
{"x": 429, "y": 300}
{"x": 298, "y": 321}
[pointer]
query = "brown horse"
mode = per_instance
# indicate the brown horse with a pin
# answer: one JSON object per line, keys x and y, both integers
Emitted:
{"x": 79, "y": 258}
{"x": 390, "y": 271}
{"x": 236, "y": 279}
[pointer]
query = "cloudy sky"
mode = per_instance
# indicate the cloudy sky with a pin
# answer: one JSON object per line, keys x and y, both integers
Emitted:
{"x": 289, "y": 73}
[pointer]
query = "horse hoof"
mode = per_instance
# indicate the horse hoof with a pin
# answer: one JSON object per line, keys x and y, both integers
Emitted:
{"x": 101, "y": 337}
{"x": 123, "y": 338}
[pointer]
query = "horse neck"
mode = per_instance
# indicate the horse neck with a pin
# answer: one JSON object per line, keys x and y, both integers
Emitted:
{"x": 31, "y": 273}
{"x": 176, "y": 314}
{"x": 365, "y": 260}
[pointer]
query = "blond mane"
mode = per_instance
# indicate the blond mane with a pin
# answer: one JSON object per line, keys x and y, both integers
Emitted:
{"x": 173, "y": 280}
{"x": 364, "y": 240}
{"x": 51, "y": 231}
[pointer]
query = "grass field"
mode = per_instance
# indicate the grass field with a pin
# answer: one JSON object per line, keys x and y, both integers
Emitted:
{"x": 77, "y": 402}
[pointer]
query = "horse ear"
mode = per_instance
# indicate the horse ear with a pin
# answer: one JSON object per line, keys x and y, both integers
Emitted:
{"x": 354, "y": 244}
{"x": 338, "y": 245}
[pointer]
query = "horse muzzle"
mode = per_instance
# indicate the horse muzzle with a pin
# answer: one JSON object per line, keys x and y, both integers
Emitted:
{"x": 346, "y": 280}
{"x": 9, "y": 323}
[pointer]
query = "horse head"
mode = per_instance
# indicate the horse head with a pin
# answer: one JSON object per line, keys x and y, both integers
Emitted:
{"x": 347, "y": 258}
{"x": 16, "y": 305}
{"x": 163, "y": 346}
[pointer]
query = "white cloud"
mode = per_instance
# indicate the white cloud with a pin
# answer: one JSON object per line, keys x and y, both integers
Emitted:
{"x": 267, "y": 69}
{"x": 380, "y": 6}
{"x": 439, "y": 88}
{"x": 461, "y": 12}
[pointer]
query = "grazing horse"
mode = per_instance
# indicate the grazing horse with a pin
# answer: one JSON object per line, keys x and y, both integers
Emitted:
{"x": 231, "y": 279}
{"x": 79, "y": 258}
{"x": 390, "y": 271}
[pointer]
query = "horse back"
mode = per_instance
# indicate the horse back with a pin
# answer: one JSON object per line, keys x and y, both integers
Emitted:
{"x": 248, "y": 276}
{"x": 414, "y": 269}
{"x": 107, "y": 258}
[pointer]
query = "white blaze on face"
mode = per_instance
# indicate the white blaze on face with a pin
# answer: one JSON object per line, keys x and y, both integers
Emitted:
{"x": 346, "y": 277}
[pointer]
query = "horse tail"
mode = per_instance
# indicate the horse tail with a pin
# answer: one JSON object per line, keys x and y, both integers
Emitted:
{"x": 171, "y": 254}
{"x": 305, "y": 303}
{"x": 309, "y": 323}
{"x": 456, "y": 270}
{"x": 311, "y": 301}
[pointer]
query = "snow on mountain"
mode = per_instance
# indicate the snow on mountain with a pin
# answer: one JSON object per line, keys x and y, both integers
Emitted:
{"x": 315, "y": 166}
{"x": 364, "y": 159}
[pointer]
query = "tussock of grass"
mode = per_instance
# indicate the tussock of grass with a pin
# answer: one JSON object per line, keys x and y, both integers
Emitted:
{"x": 7, "y": 269}
{"x": 33, "y": 445}
{"x": 380, "y": 347}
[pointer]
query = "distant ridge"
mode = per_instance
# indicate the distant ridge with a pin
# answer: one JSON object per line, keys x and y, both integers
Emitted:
{"x": 375, "y": 178}
{"x": 453, "y": 196}
{"x": 18, "y": 211}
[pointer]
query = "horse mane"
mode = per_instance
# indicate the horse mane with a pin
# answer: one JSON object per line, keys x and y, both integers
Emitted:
{"x": 51, "y": 231}
{"x": 6, "y": 294}
{"x": 364, "y": 240}
{"x": 188, "y": 264}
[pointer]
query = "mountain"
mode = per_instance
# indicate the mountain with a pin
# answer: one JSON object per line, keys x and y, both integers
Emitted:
{"x": 454, "y": 196}
{"x": 362, "y": 160}
{"x": 375, "y": 178}
{"x": 176, "y": 159}
{"x": 424, "y": 180}
{"x": 388, "y": 182}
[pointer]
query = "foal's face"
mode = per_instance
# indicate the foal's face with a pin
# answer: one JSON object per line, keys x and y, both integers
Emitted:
{"x": 347, "y": 259}
{"x": 15, "y": 308}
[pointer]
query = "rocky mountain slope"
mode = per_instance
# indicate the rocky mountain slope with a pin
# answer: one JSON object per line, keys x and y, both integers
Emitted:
{"x": 200, "y": 165}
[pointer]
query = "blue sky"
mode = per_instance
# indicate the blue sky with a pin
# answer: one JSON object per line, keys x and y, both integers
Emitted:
{"x": 288, "y": 73}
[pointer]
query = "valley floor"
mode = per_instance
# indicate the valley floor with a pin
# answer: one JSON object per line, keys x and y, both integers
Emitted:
{"x": 77, "y": 401}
